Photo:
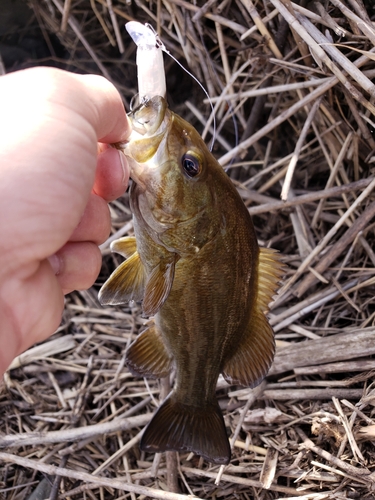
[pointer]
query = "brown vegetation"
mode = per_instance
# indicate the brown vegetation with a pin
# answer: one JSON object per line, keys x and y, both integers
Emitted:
{"x": 298, "y": 80}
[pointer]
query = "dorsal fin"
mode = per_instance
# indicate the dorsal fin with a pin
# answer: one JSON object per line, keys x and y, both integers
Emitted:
{"x": 270, "y": 271}
{"x": 254, "y": 355}
{"x": 255, "y": 352}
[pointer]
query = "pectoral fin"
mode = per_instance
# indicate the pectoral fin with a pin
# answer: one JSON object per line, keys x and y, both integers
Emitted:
{"x": 158, "y": 285}
{"x": 125, "y": 246}
{"x": 254, "y": 355}
{"x": 147, "y": 355}
{"x": 126, "y": 283}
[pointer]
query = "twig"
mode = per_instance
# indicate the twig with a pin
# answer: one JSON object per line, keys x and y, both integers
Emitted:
{"x": 117, "y": 484}
{"x": 277, "y": 121}
{"x": 295, "y": 23}
{"x": 348, "y": 429}
{"x": 48, "y": 349}
{"x": 309, "y": 198}
{"x": 360, "y": 223}
{"x": 331, "y": 233}
{"x": 171, "y": 456}
{"x": 74, "y": 25}
{"x": 115, "y": 27}
{"x": 297, "y": 150}
{"x": 262, "y": 28}
{"x": 102, "y": 23}
{"x": 332, "y": 175}
{"x": 254, "y": 394}
{"x": 91, "y": 431}
{"x": 361, "y": 474}
{"x": 366, "y": 29}
{"x": 65, "y": 16}
{"x": 326, "y": 350}
{"x": 272, "y": 89}
{"x": 311, "y": 394}
{"x": 241, "y": 481}
{"x": 344, "y": 62}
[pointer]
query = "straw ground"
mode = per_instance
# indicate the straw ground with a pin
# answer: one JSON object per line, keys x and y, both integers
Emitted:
{"x": 297, "y": 80}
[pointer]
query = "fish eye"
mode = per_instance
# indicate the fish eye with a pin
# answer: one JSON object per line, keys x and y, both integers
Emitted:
{"x": 191, "y": 165}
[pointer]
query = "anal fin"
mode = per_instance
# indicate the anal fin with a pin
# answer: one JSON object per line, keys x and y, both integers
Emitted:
{"x": 147, "y": 355}
{"x": 256, "y": 350}
{"x": 179, "y": 427}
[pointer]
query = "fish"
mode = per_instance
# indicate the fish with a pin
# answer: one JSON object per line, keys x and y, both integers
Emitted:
{"x": 195, "y": 263}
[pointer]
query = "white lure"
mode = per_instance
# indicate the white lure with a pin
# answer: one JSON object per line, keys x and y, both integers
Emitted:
{"x": 150, "y": 64}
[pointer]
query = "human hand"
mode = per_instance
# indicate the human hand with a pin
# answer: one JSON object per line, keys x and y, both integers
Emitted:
{"x": 54, "y": 189}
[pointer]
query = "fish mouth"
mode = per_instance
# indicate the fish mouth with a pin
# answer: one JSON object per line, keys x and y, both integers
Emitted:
{"x": 148, "y": 116}
{"x": 150, "y": 122}
{"x": 145, "y": 119}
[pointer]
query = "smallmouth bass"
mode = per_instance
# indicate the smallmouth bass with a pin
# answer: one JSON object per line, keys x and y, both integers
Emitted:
{"x": 196, "y": 265}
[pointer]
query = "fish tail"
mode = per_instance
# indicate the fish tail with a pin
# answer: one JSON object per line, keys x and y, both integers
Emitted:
{"x": 179, "y": 427}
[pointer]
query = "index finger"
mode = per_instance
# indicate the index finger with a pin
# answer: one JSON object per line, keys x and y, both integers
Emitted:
{"x": 102, "y": 106}
{"x": 106, "y": 108}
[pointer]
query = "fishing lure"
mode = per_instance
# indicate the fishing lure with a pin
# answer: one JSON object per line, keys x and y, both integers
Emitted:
{"x": 150, "y": 65}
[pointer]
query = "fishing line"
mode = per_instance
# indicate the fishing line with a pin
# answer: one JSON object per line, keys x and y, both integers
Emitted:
{"x": 223, "y": 90}
{"x": 160, "y": 44}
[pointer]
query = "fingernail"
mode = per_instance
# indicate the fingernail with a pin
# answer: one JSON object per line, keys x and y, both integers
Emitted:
{"x": 128, "y": 129}
{"x": 55, "y": 263}
{"x": 125, "y": 168}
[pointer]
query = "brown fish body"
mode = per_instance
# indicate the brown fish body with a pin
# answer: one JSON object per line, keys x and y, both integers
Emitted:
{"x": 199, "y": 270}
{"x": 209, "y": 305}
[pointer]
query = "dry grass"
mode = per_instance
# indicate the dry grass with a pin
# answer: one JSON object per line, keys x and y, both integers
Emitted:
{"x": 299, "y": 82}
